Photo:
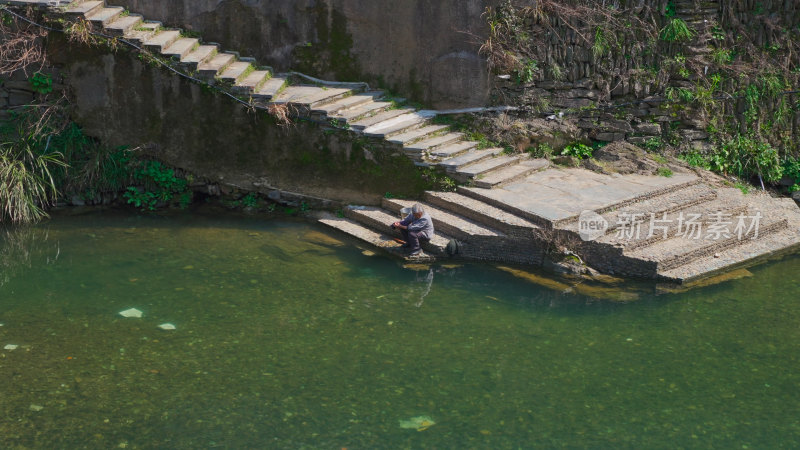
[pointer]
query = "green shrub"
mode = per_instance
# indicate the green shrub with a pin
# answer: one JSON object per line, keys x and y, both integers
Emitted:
{"x": 790, "y": 167}
{"x": 29, "y": 167}
{"x": 653, "y": 144}
{"x": 664, "y": 172}
{"x": 696, "y": 159}
{"x": 722, "y": 56}
{"x": 526, "y": 73}
{"x": 158, "y": 184}
{"x": 41, "y": 83}
{"x": 578, "y": 150}
{"x": 676, "y": 30}
{"x": 540, "y": 151}
{"x": 600, "y": 46}
{"x": 747, "y": 156}
{"x": 742, "y": 187}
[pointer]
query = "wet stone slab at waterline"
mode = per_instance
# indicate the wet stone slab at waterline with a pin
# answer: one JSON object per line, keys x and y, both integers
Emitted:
{"x": 288, "y": 337}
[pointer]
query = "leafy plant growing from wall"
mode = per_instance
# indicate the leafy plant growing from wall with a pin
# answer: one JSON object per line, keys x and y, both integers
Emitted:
{"x": 676, "y": 30}
{"x": 527, "y": 72}
{"x": 41, "y": 83}
{"x": 159, "y": 184}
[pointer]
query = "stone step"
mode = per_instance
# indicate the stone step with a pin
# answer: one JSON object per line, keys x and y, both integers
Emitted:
{"x": 697, "y": 14}
{"x": 84, "y": 8}
{"x": 512, "y": 173}
{"x": 235, "y": 71}
{"x": 346, "y": 103}
{"x": 467, "y": 158}
{"x": 397, "y": 125}
{"x": 362, "y": 112}
{"x": 294, "y": 92}
{"x": 666, "y": 202}
{"x": 378, "y": 118}
{"x": 451, "y": 150}
{"x": 271, "y": 88}
{"x": 724, "y": 200}
{"x": 211, "y": 68}
{"x": 416, "y": 135}
{"x": 482, "y": 212}
{"x": 656, "y": 194}
{"x": 380, "y": 220}
{"x": 102, "y": 16}
{"x": 747, "y": 253}
{"x": 478, "y": 169}
{"x": 200, "y": 55}
{"x": 141, "y": 33}
{"x": 378, "y": 240}
{"x": 161, "y": 40}
{"x": 679, "y": 250}
{"x": 123, "y": 25}
{"x": 562, "y": 194}
{"x": 180, "y": 48}
{"x": 323, "y": 97}
{"x": 252, "y": 82}
{"x": 482, "y": 195}
{"x": 428, "y": 144}
{"x": 449, "y": 223}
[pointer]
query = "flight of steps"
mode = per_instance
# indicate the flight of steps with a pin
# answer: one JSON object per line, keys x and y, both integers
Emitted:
{"x": 488, "y": 229}
{"x": 465, "y": 228}
{"x": 675, "y": 253}
{"x": 348, "y": 107}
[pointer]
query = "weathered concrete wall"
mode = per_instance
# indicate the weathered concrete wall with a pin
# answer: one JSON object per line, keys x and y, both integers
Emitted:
{"x": 123, "y": 101}
{"x": 423, "y": 49}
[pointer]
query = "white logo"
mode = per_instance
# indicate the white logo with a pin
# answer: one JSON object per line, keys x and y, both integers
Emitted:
{"x": 591, "y": 225}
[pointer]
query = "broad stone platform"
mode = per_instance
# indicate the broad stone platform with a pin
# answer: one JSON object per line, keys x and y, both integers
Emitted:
{"x": 557, "y": 195}
{"x": 674, "y": 229}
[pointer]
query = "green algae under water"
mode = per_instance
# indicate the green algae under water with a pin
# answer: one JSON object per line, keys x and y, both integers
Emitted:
{"x": 287, "y": 338}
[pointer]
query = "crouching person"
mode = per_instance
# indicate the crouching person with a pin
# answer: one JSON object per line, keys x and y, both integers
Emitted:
{"x": 416, "y": 227}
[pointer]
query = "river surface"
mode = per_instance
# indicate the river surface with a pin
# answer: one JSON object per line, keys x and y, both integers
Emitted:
{"x": 290, "y": 336}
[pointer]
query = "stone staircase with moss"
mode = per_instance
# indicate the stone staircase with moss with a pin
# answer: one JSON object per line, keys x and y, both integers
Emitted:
{"x": 348, "y": 106}
{"x": 512, "y": 208}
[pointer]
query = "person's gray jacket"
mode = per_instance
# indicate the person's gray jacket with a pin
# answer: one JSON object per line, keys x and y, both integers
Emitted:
{"x": 423, "y": 225}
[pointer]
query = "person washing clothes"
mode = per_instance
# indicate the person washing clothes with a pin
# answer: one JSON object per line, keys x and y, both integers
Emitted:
{"x": 416, "y": 227}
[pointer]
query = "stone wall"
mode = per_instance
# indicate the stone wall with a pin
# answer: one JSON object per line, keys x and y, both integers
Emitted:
{"x": 636, "y": 71}
{"x": 16, "y": 91}
{"x": 123, "y": 101}
{"x": 422, "y": 49}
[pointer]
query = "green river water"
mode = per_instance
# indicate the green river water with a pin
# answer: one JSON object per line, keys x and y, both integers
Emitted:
{"x": 288, "y": 336}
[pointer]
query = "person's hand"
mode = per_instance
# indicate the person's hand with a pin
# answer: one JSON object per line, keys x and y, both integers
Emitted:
{"x": 396, "y": 224}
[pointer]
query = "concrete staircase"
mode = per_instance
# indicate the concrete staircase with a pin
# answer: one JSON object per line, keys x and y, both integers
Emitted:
{"x": 349, "y": 107}
{"x": 515, "y": 208}
{"x": 678, "y": 229}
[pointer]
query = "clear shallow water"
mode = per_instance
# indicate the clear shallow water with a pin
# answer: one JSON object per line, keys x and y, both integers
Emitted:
{"x": 288, "y": 338}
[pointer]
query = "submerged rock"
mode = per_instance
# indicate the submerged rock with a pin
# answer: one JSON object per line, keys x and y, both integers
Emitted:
{"x": 132, "y": 312}
{"x": 167, "y": 326}
{"x": 419, "y": 423}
